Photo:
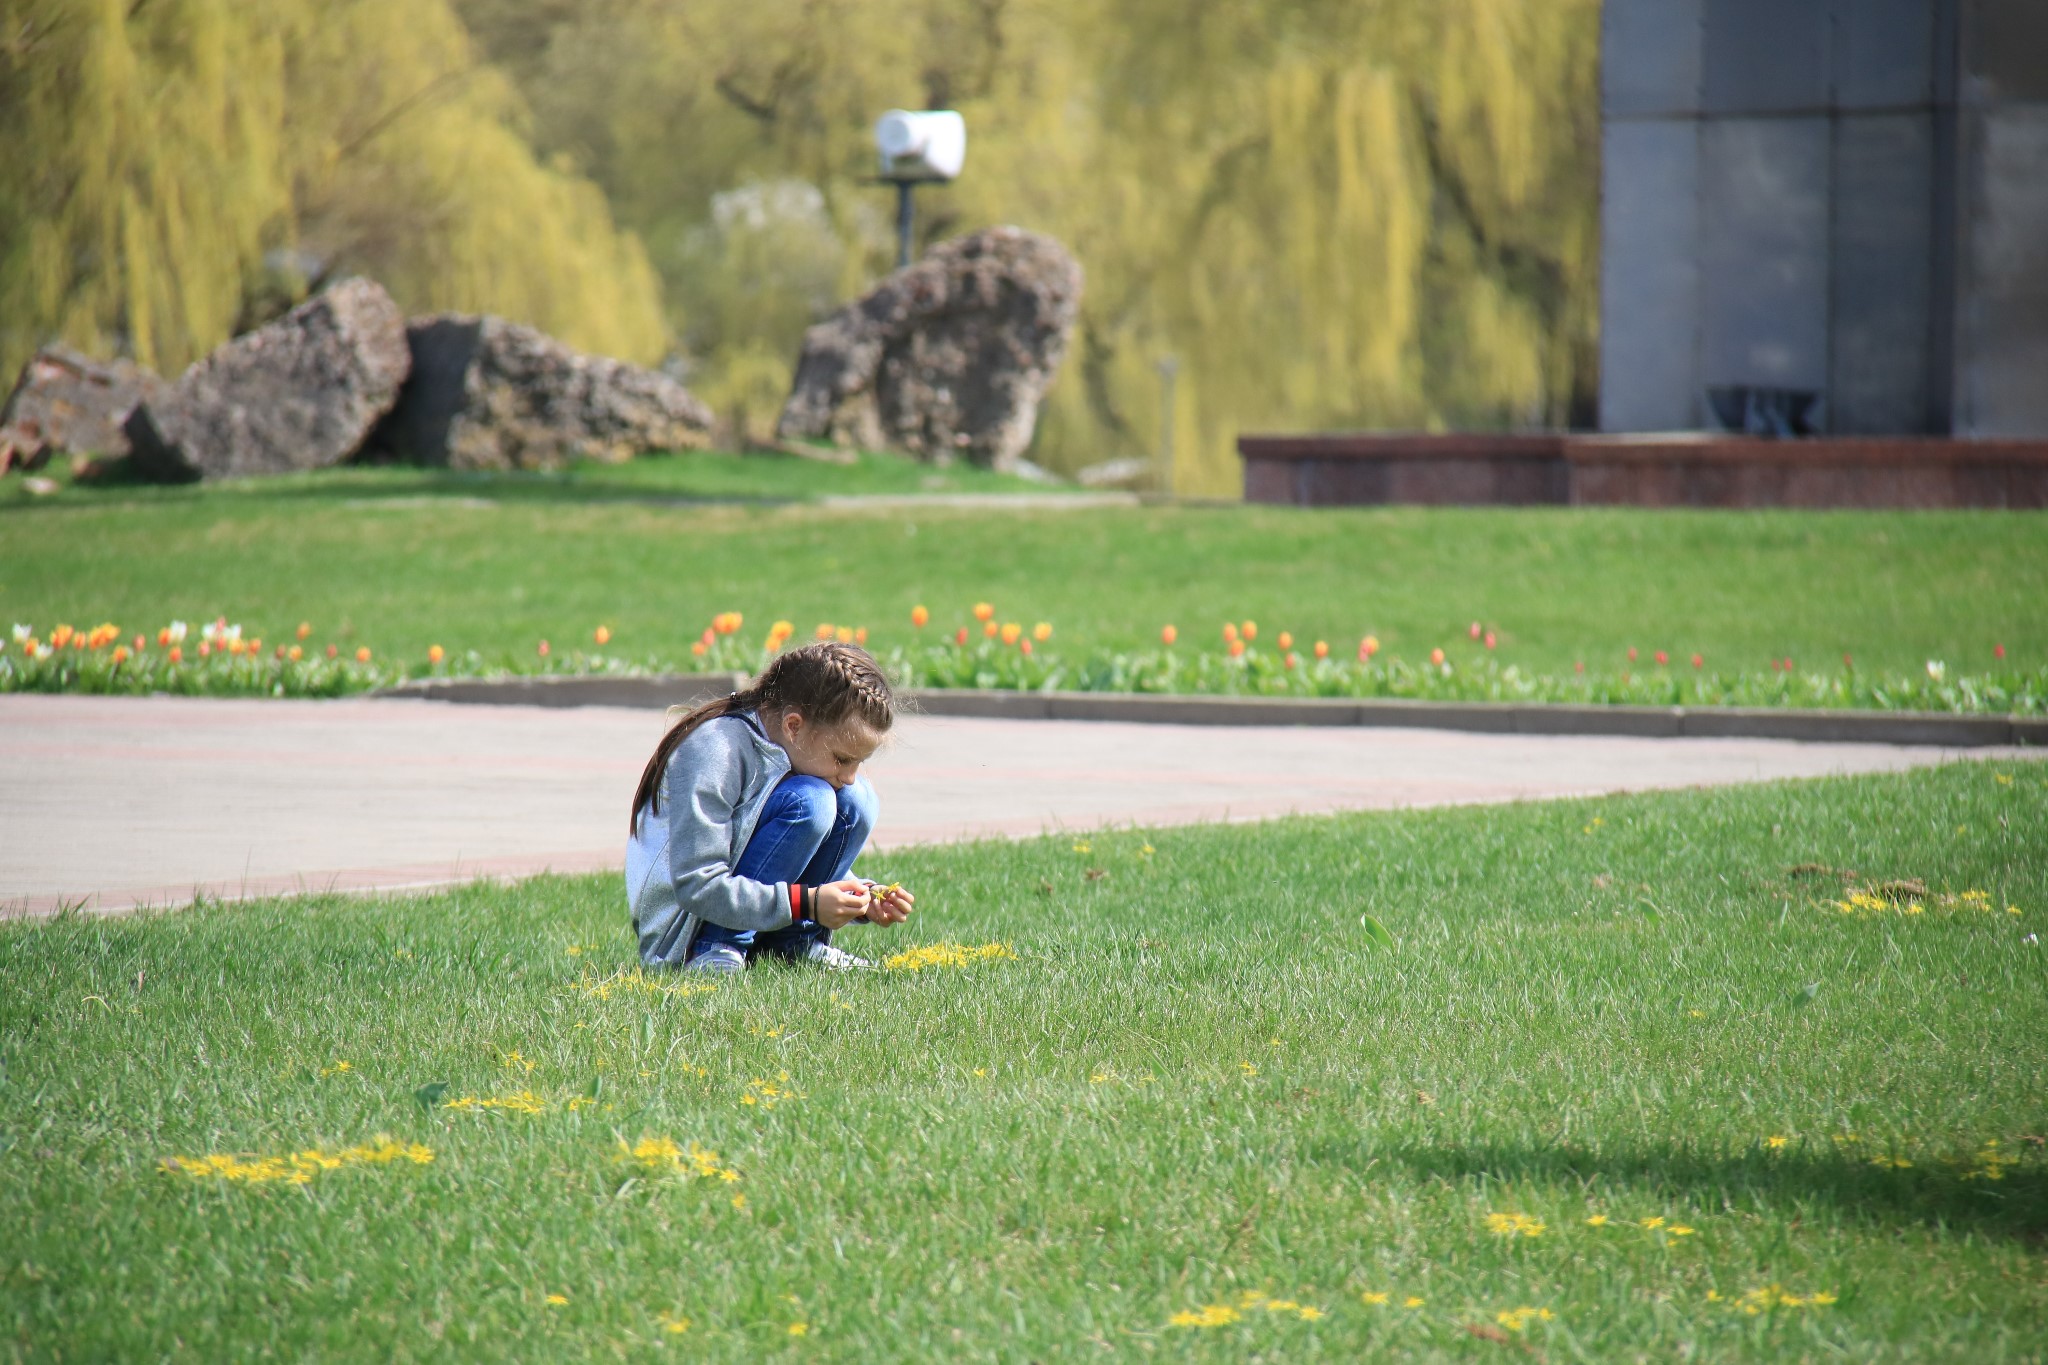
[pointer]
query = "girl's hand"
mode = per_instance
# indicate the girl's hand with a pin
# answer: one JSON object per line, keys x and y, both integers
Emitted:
{"x": 890, "y": 905}
{"x": 841, "y": 903}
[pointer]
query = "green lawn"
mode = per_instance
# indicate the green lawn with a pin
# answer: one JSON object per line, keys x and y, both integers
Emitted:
{"x": 1625, "y": 1085}
{"x": 399, "y": 561}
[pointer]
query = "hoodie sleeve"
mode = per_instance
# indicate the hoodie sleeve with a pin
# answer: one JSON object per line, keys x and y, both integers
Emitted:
{"x": 701, "y": 787}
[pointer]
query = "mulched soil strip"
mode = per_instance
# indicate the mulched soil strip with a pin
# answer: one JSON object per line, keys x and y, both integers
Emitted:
{"x": 1508, "y": 718}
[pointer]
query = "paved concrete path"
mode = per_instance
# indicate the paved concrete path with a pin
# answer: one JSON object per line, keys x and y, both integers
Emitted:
{"x": 114, "y": 802}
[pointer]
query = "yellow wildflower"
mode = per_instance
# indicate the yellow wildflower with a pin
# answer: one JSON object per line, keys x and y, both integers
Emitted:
{"x": 1774, "y": 1141}
{"x": 1514, "y": 1225}
{"x": 797, "y": 1329}
{"x": 1680, "y": 1230}
{"x": 1374, "y": 1298}
{"x": 557, "y": 1300}
{"x": 675, "y": 1324}
{"x": 1652, "y": 1222}
{"x": 1248, "y": 1068}
{"x": 1598, "y": 1220}
{"x": 946, "y": 955}
{"x": 1411, "y": 1302}
{"x": 1215, "y": 1315}
{"x": 294, "y": 1168}
{"x": 1517, "y": 1319}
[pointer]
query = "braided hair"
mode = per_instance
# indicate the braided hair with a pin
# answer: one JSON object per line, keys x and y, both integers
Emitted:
{"x": 828, "y": 682}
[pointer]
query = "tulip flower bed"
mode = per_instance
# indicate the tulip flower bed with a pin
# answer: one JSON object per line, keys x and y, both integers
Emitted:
{"x": 1741, "y": 1074}
{"x": 483, "y": 576}
{"x": 225, "y": 661}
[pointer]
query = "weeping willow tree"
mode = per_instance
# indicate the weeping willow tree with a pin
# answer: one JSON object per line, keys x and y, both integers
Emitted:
{"x": 177, "y": 168}
{"x": 1329, "y": 213}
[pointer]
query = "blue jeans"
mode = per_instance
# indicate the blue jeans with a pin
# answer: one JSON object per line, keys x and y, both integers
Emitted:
{"x": 808, "y": 833}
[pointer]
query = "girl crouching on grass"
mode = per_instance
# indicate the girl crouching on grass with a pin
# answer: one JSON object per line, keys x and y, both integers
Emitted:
{"x": 750, "y": 814}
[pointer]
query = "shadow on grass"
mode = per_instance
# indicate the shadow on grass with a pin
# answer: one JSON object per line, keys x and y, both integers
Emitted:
{"x": 1953, "y": 1193}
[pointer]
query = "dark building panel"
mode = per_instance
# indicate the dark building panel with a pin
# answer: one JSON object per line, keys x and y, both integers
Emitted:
{"x": 1650, "y": 57}
{"x": 1649, "y": 257}
{"x": 1884, "y": 54}
{"x": 1763, "y": 254}
{"x": 2006, "y": 49}
{"x": 2002, "y": 342}
{"x": 1882, "y": 283}
{"x": 1766, "y": 56}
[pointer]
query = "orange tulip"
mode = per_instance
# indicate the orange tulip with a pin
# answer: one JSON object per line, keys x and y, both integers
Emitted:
{"x": 918, "y": 616}
{"x": 295, "y": 654}
{"x": 824, "y": 630}
{"x": 363, "y": 652}
{"x": 988, "y": 628}
{"x": 177, "y": 655}
{"x": 1229, "y": 631}
{"x": 1011, "y": 632}
{"x": 304, "y": 630}
{"x": 983, "y": 611}
{"x": 603, "y": 635}
{"x": 1368, "y": 647}
{"x": 163, "y": 637}
{"x": 120, "y": 654}
{"x": 1025, "y": 645}
{"x": 204, "y": 649}
{"x": 1322, "y": 649}
{"x": 1042, "y": 631}
{"x": 844, "y": 635}
{"x": 860, "y": 635}
{"x": 1237, "y": 649}
{"x": 1167, "y": 635}
{"x": 1436, "y": 656}
{"x": 1286, "y": 639}
{"x": 60, "y": 637}
{"x": 435, "y": 654}
{"x": 1251, "y": 630}
{"x": 138, "y": 643}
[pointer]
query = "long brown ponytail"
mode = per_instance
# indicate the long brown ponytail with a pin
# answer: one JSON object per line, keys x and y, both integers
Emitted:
{"x": 826, "y": 681}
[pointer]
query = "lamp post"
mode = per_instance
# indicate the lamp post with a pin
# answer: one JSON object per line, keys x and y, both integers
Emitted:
{"x": 923, "y": 146}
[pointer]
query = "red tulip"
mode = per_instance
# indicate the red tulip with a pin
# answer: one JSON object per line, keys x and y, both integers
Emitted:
{"x": 1700, "y": 662}
{"x": 960, "y": 636}
{"x": 1490, "y": 639}
{"x": 1998, "y": 651}
{"x": 1662, "y": 658}
{"x": 1475, "y": 630}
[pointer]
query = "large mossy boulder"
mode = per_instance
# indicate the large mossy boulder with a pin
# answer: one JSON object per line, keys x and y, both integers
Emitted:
{"x": 947, "y": 359}
{"x": 301, "y": 393}
{"x": 490, "y": 394}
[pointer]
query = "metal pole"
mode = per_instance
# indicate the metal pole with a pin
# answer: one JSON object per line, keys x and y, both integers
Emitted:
{"x": 903, "y": 188}
{"x": 1168, "y": 369}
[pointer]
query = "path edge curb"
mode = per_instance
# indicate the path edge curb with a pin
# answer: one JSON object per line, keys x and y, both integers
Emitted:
{"x": 1516, "y": 718}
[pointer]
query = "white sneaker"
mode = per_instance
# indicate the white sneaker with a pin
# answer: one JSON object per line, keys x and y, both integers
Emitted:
{"x": 717, "y": 957}
{"x": 833, "y": 959}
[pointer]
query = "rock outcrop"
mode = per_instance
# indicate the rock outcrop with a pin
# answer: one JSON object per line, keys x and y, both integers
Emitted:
{"x": 490, "y": 394}
{"x": 66, "y": 403}
{"x": 300, "y": 393}
{"x": 947, "y": 359}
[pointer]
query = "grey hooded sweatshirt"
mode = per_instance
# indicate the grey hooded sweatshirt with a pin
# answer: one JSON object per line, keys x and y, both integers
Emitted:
{"x": 679, "y": 863}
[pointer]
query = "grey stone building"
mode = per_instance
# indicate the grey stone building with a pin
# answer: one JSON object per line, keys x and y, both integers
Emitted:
{"x": 1825, "y": 216}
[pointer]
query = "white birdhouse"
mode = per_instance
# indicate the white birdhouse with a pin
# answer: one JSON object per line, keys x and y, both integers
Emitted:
{"x": 928, "y": 144}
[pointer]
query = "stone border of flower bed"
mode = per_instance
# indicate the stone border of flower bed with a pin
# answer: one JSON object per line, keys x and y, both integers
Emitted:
{"x": 1514, "y": 718}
